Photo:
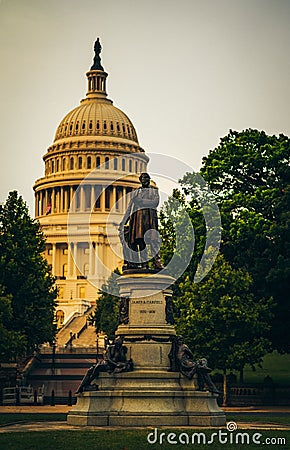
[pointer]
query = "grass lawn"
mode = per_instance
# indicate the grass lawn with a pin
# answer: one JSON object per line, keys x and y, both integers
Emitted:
{"x": 132, "y": 440}
{"x": 275, "y": 365}
{"x": 137, "y": 439}
{"x": 260, "y": 418}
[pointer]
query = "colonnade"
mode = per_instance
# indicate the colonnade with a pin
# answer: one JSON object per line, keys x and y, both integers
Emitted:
{"x": 96, "y": 81}
{"x": 87, "y": 197}
{"x": 74, "y": 262}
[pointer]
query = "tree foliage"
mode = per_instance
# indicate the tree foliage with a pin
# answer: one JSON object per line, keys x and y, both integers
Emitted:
{"x": 249, "y": 173}
{"x": 242, "y": 306}
{"x": 221, "y": 319}
{"x": 106, "y": 314}
{"x": 12, "y": 343}
{"x": 25, "y": 276}
{"x": 172, "y": 218}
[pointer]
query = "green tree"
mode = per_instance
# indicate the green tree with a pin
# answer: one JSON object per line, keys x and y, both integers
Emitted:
{"x": 106, "y": 314}
{"x": 12, "y": 343}
{"x": 221, "y": 320}
{"x": 173, "y": 223}
{"x": 249, "y": 174}
{"x": 24, "y": 274}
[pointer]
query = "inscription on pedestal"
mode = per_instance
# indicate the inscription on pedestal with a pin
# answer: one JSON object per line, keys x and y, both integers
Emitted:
{"x": 147, "y": 310}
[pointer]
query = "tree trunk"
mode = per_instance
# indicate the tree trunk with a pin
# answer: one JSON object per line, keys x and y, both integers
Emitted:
{"x": 242, "y": 375}
{"x": 225, "y": 393}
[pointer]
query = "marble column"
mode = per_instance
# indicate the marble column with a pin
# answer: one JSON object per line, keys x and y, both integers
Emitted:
{"x": 102, "y": 198}
{"x": 53, "y": 259}
{"x": 91, "y": 260}
{"x": 65, "y": 200}
{"x": 69, "y": 260}
{"x": 71, "y": 205}
{"x": 46, "y": 201}
{"x": 113, "y": 197}
{"x": 93, "y": 196}
{"x": 61, "y": 209}
{"x": 124, "y": 201}
{"x": 75, "y": 259}
{"x": 52, "y": 200}
{"x": 82, "y": 198}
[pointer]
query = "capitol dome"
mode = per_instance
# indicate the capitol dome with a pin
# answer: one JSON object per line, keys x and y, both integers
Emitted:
{"x": 96, "y": 124}
{"x": 95, "y": 118}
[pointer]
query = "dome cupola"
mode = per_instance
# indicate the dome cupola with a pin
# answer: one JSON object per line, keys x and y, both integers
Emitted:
{"x": 96, "y": 117}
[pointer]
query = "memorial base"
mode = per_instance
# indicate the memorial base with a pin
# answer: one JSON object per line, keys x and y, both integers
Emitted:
{"x": 151, "y": 395}
{"x": 141, "y": 399}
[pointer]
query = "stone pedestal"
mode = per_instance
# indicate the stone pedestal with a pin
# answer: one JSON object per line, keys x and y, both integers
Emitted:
{"x": 151, "y": 395}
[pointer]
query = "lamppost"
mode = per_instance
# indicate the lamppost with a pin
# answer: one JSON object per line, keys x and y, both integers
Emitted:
{"x": 53, "y": 357}
{"x": 97, "y": 344}
{"x": 70, "y": 341}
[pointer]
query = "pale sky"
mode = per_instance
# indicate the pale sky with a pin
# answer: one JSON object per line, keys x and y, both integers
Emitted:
{"x": 184, "y": 71}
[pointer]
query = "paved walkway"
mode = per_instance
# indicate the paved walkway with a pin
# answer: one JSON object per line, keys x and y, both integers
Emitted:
{"x": 59, "y": 425}
{"x": 64, "y": 409}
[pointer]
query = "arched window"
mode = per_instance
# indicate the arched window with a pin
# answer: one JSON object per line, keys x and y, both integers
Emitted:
{"x": 130, "y": 165}
{"x": 86, "y": 270}
{"x": 80, "y": 162}
{"x": 57, "y": 165}
{"x": 59, "y": 318}
{"x": 63, "y": 164}
{"x": 71, "y": 163}
{"x": 52, "y": 166}
{"x": 115, "y": 163}
{"x": 98, "y": 162}
{"x": 136, "y": 166}
{"x": 89, "y": 162}
{"x": 123, "y": 164}
{"x": 107, "y": 162}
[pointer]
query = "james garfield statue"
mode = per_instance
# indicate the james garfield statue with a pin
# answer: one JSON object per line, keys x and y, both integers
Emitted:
{"x": 143, "y": 227}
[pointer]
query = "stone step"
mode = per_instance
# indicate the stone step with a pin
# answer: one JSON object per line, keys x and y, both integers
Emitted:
{"x": 68, "y": 356}
{"x": 55, "y": 378}
{"x": 66, "y": 365}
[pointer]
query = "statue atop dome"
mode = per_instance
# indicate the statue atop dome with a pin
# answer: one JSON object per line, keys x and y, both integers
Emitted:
{"x": 97, "y": 59}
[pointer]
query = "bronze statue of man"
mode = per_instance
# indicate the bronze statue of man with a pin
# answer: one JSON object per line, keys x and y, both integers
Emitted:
{"x": 115, "y": 361}
{"x": 182, "y": 360}
{"x": 143, "y": 226}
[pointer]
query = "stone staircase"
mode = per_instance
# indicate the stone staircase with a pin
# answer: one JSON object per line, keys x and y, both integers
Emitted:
{"x": 61, "y": 368}
{"x": 60, "y": 373}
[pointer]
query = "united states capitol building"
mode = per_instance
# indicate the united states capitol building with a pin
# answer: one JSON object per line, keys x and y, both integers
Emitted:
{"x": 90, "y": 169}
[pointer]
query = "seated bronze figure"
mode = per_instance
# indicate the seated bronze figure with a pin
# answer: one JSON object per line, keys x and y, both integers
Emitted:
{"x": 114, "y": 361}
{"x": 182, "y": 360}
